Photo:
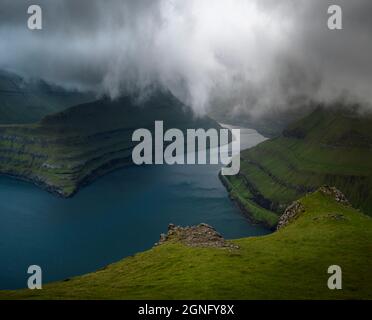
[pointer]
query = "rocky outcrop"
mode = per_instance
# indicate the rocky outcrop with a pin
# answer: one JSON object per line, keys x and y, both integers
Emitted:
{"x": 290, "y": 214}
{"x": 335, "y": 194}
{"x": 296, "y": 208}
{"x": 202, "y": 235}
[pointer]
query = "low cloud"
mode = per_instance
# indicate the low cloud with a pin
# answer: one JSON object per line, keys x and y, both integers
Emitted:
{"x": 248, "y": 56}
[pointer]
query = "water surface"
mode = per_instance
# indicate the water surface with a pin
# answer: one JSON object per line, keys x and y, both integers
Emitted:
{"x": 118, "y": 215}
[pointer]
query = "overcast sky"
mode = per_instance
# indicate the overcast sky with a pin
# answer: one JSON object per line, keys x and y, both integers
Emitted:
{"x": 251, "y": 54}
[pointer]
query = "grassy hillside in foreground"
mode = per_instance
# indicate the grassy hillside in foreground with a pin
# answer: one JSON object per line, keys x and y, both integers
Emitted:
{"x": 71, "y": 148}
{"x": 329, "y": 147}
{"x": 28, "y": 101}
{"x": 291, "y": 263}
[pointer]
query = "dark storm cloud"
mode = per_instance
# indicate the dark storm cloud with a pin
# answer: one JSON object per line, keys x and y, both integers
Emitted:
{"x": 248, "y": 55}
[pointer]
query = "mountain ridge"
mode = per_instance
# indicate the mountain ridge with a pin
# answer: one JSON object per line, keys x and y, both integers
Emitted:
{"x": 25, "y": 101}
{"x": 69, "y": 149}
{"x": 331, "y": 146}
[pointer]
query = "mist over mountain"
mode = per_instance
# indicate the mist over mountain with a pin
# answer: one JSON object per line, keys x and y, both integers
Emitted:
{"x": 241, "y": 57}
{"x": 29, "y": 101}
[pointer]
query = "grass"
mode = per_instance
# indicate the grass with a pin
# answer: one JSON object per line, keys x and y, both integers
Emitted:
{"x": 83, "y": 142}
{"x": 245, "y": 199}
{"x": 328, "y": 147}
{"x": 289, "y": 264}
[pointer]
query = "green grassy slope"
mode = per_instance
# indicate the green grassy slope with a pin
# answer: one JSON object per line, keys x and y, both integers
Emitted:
{"x": 289, "y": 264}
{"x": 329, "y": 147}
{"x": 68, "y": 149}
{"x": 28, "y": 101}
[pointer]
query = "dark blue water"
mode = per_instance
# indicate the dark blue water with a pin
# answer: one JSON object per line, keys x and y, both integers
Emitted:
{"x": 118, "y": 215}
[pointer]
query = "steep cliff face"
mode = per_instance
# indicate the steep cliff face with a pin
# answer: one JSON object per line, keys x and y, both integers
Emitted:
{"x": 328, "y": 147}
{"x": 71, "y": 148}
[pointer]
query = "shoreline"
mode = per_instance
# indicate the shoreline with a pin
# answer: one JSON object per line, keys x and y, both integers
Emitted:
{"x": 242, "y": 207}
{"x": 58, "y": 192}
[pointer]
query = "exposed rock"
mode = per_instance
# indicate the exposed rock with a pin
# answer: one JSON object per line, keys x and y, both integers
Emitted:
{"x": 296, "y": 208}
{"x": 51, "y": 166}
{"x": 335, "y": 193}
{"x": 331, "y": 216}
{"x": 202, "y": 235}
{"x": 290, "y": 214}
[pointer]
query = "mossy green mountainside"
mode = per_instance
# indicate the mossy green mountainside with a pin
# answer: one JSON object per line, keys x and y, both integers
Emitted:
{"x": 69, "y": 149}
{"x": 291, "y": 263}
{"x": 331, "y": 146}
{"x": 29, "y": 100}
